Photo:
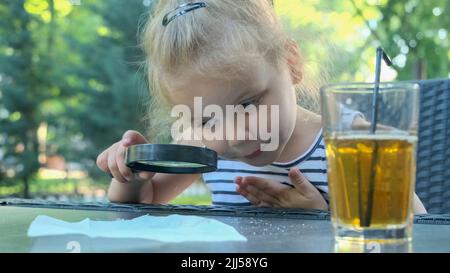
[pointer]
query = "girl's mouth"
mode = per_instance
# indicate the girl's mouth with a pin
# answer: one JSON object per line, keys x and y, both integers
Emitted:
{"x": 254, "y": 154}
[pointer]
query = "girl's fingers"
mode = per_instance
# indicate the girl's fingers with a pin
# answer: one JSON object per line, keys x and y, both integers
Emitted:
{"x": 113, "y": 168}
{"x": 262, "y": 196}
{"x": 240, "y": 187}
{"x": 241, "y": 190}
{"x": 112, "y": 160}
{"x": 102, "y": 161}
{"x": 145, "y": 175}
{"x": 128, "y": 139}
{"x": 132, "y": 138}
{"x": 238, "y": 180}
{"x": 255, "y": 201}
{"x": 301, "y": 184}
{"x": 267, "y": 205}
{"x": 250, "y": 197}
{"x": 120, "y": 160}
{"x": 255, "y": 195}
{"x": 273, "y": 189}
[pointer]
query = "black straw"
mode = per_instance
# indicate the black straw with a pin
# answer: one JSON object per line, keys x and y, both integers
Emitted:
{"x": 376, "y": 90}
{"x": 365, "y": 222}
{"x": 381, "y": 54}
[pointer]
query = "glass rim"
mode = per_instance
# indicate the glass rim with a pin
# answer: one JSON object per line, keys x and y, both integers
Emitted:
{"x": 367, "y": 87}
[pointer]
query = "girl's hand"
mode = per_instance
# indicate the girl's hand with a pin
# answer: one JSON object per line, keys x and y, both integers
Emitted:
{"x": 265, "y": 193}
{"x": 112, "y": 160}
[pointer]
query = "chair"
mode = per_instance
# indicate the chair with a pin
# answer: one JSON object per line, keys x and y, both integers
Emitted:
{"x": 433, "y": 156}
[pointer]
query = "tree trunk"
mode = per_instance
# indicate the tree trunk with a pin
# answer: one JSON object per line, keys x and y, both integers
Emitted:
{"x": 26, "y": 187}
{"x": 419, "y": 69}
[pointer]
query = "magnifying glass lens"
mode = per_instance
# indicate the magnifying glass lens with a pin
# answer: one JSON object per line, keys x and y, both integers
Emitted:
{"x": 171, "y": 158}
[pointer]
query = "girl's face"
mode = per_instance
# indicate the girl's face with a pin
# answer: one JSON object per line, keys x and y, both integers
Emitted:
{"x": 260, "y": 84}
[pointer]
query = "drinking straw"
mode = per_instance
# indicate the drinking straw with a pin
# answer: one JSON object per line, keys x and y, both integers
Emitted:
{"x": 381, "y": 54}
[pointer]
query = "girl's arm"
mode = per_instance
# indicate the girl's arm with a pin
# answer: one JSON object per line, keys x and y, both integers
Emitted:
{"x": 160, "y": 189}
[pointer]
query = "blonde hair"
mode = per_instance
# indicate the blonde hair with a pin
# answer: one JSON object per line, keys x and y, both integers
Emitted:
{"x": 215, "y": 40}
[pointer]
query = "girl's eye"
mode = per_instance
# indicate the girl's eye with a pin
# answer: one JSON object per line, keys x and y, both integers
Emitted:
{"x": 209, "y": 121}
{"x": 205, "y": 121}
{"x": 253, "y": 101}
{"x": 245, "y": 104}
{"x": 250, "y": 102}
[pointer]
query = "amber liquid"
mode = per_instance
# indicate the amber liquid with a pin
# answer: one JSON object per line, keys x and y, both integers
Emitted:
{"x": 371, "y": 179}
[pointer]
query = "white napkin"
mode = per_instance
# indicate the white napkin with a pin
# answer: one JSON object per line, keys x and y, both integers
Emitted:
{"x": 171, "y": 229}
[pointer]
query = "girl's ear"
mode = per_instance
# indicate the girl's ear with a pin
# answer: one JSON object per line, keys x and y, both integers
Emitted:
{"x": 295, "y": 61}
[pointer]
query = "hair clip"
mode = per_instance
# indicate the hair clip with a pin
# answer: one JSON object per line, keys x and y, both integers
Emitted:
{"x": 181, "y": 10}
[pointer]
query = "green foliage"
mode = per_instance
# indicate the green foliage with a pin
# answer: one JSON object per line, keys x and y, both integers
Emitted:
{"x": 113, "y": 93}
{"x": 198, "y": 200}
{"x": 23, "y": 69}
{"x": 42, "y": 187}
{"x": 338, "y": 38}
{"x": 74, "y": 68}
{"x": 416, "y": 33}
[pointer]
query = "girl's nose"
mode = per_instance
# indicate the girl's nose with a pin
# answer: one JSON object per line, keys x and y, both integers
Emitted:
{"x": 238, "y": 143}
{"x": 243, "y": 134}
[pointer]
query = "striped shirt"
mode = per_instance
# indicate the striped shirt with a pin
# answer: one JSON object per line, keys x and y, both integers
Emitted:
{"x": 312, "y": 164}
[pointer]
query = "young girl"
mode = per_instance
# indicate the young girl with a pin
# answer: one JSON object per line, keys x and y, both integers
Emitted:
{"x": 230, "y": 53}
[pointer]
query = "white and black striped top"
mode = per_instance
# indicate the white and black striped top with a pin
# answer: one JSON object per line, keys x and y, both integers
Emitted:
{"x": 312, "y": 164}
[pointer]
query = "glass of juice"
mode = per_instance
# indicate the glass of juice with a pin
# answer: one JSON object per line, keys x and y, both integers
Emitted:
{"x": 371, "y": 155}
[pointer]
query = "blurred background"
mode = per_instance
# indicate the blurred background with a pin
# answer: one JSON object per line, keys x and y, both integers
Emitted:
{"x": 72, "y": 79}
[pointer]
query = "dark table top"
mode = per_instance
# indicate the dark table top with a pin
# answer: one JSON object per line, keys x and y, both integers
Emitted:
{"x": 267, "y": 230}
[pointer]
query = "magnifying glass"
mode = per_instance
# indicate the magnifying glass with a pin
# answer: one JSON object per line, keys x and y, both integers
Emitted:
{"x": 170, "y": 158}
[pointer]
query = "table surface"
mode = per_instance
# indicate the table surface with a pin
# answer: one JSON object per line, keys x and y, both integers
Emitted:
{"x": 266, "y": 230}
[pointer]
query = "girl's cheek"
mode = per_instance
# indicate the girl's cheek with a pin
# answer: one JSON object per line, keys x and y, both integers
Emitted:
{"x": 213, "y": 136}
{"x": 274, "y": 109}
{"x": 213, "y": 130}
{"x": 219, "y": 146}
